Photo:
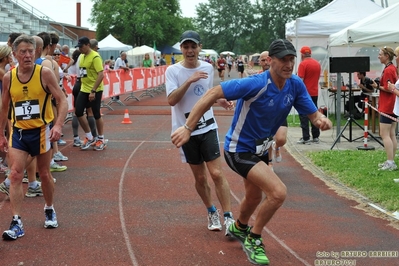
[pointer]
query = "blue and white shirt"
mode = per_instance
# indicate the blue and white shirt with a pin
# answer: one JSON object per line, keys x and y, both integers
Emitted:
{"x": 260, "y": 110}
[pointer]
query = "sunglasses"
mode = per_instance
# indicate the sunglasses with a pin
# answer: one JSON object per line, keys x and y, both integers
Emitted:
{"x": 55, "y": 54}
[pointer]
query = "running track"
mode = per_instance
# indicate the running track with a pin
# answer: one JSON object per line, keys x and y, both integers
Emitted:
{"x": 135, "y": 204}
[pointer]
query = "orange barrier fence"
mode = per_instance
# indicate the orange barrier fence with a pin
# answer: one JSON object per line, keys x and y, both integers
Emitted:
{"x": 118, "y": 82}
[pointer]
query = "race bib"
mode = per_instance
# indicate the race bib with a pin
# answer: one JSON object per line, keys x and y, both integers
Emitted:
{"x": 26, "y": 110}
{"x": 262, "y": 145}
{"x": 83, "y": 72}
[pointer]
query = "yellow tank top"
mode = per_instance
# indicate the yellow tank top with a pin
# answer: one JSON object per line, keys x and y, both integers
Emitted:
{"x": 31, "y": 103}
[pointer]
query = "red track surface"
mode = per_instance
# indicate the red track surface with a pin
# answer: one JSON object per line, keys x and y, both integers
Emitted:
{"x": 135, "y": 204}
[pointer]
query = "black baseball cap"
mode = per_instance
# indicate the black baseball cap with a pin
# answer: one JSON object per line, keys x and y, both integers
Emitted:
{"x": 82, "y": 41}
{"x": 281, "y": 47}
{"x": 190, "y": 35}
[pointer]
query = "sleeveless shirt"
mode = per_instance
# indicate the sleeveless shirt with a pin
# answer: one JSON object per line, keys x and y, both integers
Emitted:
{"x": 31, "y": 103}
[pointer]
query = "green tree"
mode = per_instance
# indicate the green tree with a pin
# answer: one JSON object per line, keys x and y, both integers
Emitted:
{"x": 223, "y": 23}
{"x": 139, "y": 22}
{"x": 275, "y": 14}
{"x": 246, "y": 26}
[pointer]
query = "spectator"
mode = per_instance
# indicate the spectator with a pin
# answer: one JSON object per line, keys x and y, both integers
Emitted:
{"x": 172, "y": 58}
{"x": 120, "y": 63}
{"x": 147, "y": 62}
{"x": 163, "y": 61}
{"x": 309, "y": 71}
{"x": 386, "y": 105}
{"x": 365, "y": 83}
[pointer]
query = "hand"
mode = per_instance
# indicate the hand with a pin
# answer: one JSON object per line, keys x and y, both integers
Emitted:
{"x": 228, "y": 105}
{"x": 55, "y": 133}
{"x": 198, "y": 75}
{"x": 180, "y": 136}
{"x": 92, "y": 96}
{"x": 3, "y": 144}
{"x": 323, "y": 123}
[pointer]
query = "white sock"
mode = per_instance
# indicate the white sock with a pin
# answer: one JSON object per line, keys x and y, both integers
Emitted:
{"x": 33, "y": 184}
{"x": 89, "y": 136}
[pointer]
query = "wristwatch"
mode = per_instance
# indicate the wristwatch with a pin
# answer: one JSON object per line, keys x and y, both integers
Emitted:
{"x": 93, "y": 91}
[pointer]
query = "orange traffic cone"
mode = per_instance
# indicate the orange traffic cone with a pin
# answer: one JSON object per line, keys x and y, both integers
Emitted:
{"x": 126, "y": 119}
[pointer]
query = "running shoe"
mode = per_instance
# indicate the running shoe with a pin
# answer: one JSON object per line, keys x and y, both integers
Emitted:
{"x": 16, "y": 230}
{"x": 58, "y": 156}
{"x": 389, "y": 167}
{"x": 61, "y": 142}
{"x": 382, "y": 164}
{"x": 25, "y": 179}
{"x": 302, "y": 141}
{"x": 56, "y": 167}
{"x": 3, "y": 167}
{"x": 228, "y": 221}
{"x": 100, "y": 145}
{"x": 316, "y": 140}
{"x": 255, "y": 251}
{"x": 87, "y": 143}
{"x": 34, "y": 192}
{"x": 51, "y": 219}
{"x": 77, "y": 142}
{"x": 4, "y": 189}
{"x": 238, "y": 234}
{"x": 214, "y": 221}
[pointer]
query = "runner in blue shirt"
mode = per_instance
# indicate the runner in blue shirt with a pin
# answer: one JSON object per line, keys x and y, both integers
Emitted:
{"x": 263, "y": 103}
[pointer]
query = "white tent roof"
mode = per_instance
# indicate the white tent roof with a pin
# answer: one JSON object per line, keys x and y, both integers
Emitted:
{"x": 110, "y": 43}
{"x": 227, "y": 52}
{"x": 176, "y": 45}
{"x": 135, "y": 56}
{"x": 331, "y": 18}
{"x": 371, "y": 31}
{"x": 142, "y": 50}
{"x": 211, "y": 52}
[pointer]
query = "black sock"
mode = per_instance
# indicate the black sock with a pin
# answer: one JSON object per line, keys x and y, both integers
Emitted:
{"x": 241, "y": 226}
{"x": 252, "y": 235}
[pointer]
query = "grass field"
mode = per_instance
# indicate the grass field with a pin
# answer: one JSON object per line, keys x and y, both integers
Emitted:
{"x": 358, "y": 170}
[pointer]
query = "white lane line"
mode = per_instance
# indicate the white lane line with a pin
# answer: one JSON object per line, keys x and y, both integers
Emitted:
{"x": 126, "y": 236}
{"x": 120, "y": 203}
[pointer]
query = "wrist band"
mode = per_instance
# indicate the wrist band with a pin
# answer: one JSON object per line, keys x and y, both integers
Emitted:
{"x": 188, "y": 128}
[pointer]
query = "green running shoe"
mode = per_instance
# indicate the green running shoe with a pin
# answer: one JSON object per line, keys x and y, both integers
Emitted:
{"x": 236, "y": 233}
{"x": 255, "y": 251}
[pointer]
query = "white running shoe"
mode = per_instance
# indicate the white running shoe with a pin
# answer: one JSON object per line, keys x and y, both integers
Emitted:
{"x": 214, "y": 221}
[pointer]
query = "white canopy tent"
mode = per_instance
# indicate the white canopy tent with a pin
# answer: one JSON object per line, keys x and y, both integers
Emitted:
{"x": 176, "y": 45}
{"x": 212, "y": 53}
{"x": 314, "y": 30}
{"x": 370, "y": 31}
{"x": 111, "y": 43}
{"x": 136, "y": 55}
{"x": 227, "y": 52}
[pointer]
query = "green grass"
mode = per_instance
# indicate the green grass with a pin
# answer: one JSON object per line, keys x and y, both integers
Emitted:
{"x": 358, "y": 170}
